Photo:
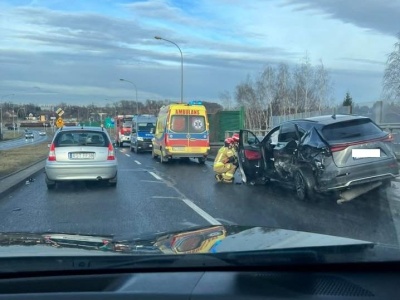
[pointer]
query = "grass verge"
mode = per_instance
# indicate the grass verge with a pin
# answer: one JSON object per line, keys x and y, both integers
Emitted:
{"x": 10, "y": 135}
{"x": 19, "y": 158}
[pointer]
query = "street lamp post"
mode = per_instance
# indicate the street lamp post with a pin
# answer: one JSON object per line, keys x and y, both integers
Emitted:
{"x": 115, "y": 106}
{"x": 137, "y": 103}
{"x": 17, "y": 118}
{"x": 1, "y": 115}
{"x": 160, "y": 38}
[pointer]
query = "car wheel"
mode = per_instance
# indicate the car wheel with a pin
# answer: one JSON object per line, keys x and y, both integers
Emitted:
{"x": 386, "y": 184}
{"x": 153, "y": 155}
{"x": 51, "y": 184}
{"x": 304, "y": 184}
{"x": 113, "y": 181}
{"x": 163, "y": 158}
{"x": 202, "y": 160}
{"x": 112, "y": 184}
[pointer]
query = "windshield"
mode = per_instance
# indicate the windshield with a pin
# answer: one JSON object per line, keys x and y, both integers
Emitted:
{"x": 190, "y": 124}
{"x": 348, "y": 130}
{"x": 199, "y": 127}
{"x": 146, "y": 127}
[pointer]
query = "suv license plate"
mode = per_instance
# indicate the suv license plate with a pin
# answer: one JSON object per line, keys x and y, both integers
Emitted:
{"x": 365, "y": 153}
{"x": 82, "y": 155}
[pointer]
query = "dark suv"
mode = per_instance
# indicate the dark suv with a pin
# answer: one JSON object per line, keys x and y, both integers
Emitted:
{"x": 344, "y": 153}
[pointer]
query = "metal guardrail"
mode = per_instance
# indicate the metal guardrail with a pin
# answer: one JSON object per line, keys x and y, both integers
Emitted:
{"x": 389, "y": 126}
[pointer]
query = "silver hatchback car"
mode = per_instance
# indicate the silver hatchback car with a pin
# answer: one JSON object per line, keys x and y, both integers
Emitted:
{"x": 81, "y": 153}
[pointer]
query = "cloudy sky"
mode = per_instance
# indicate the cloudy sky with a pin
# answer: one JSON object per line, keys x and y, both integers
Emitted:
{"x": 76, "y": 51}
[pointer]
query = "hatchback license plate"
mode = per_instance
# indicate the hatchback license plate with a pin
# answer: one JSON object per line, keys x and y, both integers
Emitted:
{"x": 85, "y": 155}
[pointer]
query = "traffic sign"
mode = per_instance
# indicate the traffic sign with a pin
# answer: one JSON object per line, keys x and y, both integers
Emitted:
{"x": 60, "y": 122}
{"x": 60, "y": 112}
{"x": 109, "y": 122}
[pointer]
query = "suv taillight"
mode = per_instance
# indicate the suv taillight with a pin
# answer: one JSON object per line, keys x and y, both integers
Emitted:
{"x": 389, "y": 138}
{"x": 340, "y": 147}
{"x": 111, "y": 153}
{"x": 52, "y": 153}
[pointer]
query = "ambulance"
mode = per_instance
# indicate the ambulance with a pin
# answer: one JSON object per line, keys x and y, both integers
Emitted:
{"x": 182, "y": 131}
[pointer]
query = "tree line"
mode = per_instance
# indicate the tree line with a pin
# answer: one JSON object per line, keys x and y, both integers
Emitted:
{"x": 281, "y": 90}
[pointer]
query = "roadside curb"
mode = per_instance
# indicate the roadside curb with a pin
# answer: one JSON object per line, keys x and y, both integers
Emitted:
{"x": 14, "y": 180}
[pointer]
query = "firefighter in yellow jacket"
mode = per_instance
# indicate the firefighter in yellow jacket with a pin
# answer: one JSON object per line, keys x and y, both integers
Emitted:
{"x": 225, "y": 162}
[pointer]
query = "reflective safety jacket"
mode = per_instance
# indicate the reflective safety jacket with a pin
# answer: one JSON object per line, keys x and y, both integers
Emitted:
{"x": 225, "y": 154}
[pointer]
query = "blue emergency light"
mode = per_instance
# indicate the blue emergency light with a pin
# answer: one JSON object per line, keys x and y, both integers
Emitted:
{"x": 194, "y": 102}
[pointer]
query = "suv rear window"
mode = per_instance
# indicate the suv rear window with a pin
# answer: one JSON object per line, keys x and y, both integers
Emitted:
{"x": 351, "y": 130}
{"x": 81, "y": 138}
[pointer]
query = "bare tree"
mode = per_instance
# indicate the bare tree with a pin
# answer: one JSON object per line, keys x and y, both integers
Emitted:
{"x": 283, "y": 88}
{"x": 226, "y": 99}
{"x": 391, "y": 77}
{"x": 266, "y": 89}
{"x": 246, "y": 96}
{"x": 323, "y": 86}
{"x": 305, "y": 76}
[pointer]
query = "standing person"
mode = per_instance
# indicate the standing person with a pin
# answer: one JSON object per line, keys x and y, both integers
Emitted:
{"x": 225, "y": 162}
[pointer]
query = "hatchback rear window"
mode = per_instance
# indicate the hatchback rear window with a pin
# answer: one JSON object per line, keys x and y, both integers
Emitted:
{"x": 351, "y": 130}
{"x": 79, "y": 138}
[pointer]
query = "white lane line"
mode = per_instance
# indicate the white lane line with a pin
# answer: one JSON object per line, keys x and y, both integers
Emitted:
{"x": 155, "y": 176}
{"x": 189, "y": 203}
{"x": 201, "y": 212}
{"x": 153, "y": 181}
{"x": 127, "y": 154}
{"x": 138, "y": 162}
{"x": 164, "y": 197}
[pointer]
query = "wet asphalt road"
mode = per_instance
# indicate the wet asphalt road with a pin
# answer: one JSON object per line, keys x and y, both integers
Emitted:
{"x": 154, "y": 197}
{"x": 16, "y": 143}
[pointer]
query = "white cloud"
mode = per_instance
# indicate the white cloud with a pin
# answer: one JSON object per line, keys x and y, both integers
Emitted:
{"x": 87, "y": 50}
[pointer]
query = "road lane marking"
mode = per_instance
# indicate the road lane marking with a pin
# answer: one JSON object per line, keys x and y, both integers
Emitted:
{"x": 164, "y": 197}
{"x": 189, "y": 203}
{"x": 127, "y": 155}
{"x": 201, "y": 212}
{"x": 138, "y": 162}
{"x": 153, "y": 181}
{"x": 155, "y": 176}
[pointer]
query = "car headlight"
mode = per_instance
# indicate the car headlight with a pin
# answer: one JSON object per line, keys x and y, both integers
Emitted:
{"x": 140, "y": 139}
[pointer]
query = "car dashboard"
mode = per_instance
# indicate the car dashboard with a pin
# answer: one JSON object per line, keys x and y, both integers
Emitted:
{"x": 362, "y": 282}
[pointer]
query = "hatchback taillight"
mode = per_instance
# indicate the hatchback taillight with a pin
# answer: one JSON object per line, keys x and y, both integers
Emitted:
{"x": 111, "y": 153}
{"x": 52, "y": 153}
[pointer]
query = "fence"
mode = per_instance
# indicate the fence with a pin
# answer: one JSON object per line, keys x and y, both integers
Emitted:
{"x": 225, "y": 121}
{"x": 378, "y": 111}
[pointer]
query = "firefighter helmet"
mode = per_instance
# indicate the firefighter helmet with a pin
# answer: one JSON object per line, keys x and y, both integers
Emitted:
{"x": 228, "y": 141}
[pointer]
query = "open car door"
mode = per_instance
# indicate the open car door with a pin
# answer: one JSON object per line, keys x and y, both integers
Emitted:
{"x": 249, "y": 156}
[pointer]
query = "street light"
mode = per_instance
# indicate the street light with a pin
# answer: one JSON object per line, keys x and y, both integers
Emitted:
{"x": 17, "y": 117}
{"x": 137, "y": 104}
{"x": 160, "y": 38}
{"x": 115, "y": 106}
{"x": 1, "y": 108}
